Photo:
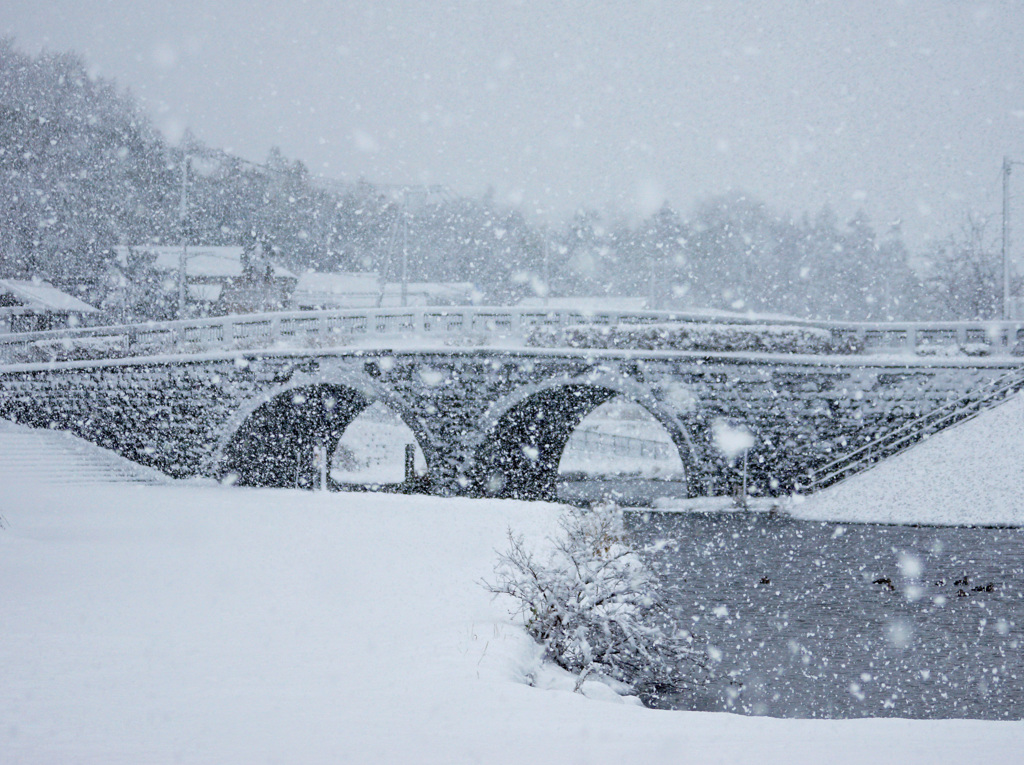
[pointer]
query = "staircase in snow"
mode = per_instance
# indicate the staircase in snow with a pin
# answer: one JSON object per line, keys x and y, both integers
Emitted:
{"x": 31, "y": 455}
{"x": 914, "y": 432}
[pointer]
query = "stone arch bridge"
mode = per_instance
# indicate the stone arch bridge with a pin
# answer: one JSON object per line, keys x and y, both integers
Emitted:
{"x": 491, "y": 420}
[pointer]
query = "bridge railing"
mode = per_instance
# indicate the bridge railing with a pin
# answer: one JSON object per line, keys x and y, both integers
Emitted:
{"x": 915, "y": 431}
{"x": 464, "y": 326}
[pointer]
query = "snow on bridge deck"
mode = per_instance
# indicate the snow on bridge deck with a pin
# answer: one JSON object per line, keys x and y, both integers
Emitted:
{"x": 475, "y": 327}
{"x": 252, "y": 395}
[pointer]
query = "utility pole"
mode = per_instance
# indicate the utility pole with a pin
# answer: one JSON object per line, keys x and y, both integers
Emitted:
{"x": 183, "y": 259}
{"x": 652, "y": 284}
{"x": 405, "y": 256}
{"x": 546, "y": 267}
{"x": 400, "y": 227}
{"x": 1006, "y": 238}
{"x": 1007, "y": 168}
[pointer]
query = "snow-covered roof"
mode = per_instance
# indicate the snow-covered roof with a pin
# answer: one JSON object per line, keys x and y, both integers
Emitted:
{"x": 602, "y": 303}
{"x": 338, "y": 283}
{"x": 222, "y": 262}
{"x": 462, "y": 291}
{"x": 362, "y": 289}
{"x": 42, "y": 296}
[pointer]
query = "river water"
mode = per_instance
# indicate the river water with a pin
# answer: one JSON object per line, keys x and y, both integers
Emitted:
{"x": 809, "y": 619}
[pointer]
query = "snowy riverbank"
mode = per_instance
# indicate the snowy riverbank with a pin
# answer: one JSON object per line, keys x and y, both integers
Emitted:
{"x": 971, "y": 474}
{"x": 202, "y": 624}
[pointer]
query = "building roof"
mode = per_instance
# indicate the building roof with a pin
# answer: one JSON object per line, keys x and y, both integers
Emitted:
{"x": 462, "y": 291}
{"x": 338, "y": 283}
{"x": 603, "y": 303}
{"x": 362, "y": 289}
{"x": 201, "y": 262}
{"x": 42, "y": 296}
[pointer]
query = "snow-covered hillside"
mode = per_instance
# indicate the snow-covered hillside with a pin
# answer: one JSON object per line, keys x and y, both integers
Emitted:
{"x": 971, "y": 474}
{"x": 206, "y": 624}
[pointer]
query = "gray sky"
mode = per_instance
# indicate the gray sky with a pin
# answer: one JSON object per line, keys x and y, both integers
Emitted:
{"x": 903, "y": 108}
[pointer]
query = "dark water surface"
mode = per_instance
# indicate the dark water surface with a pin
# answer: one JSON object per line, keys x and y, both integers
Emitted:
{"x": 812, "y": 619}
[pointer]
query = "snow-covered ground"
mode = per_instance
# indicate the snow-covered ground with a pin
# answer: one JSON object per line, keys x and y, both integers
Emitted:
{"x": 969, "y": 474}
{"x": 205, "y": 624}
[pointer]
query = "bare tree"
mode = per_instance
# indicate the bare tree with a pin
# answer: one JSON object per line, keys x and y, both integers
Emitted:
{"x": 965, "y": 273}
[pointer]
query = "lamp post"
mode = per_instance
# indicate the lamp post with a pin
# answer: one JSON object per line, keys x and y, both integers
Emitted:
{"x": 734, "y": 441}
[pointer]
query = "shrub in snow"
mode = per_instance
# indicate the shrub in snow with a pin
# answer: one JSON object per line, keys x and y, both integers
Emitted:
{"x": 594, "y": 605}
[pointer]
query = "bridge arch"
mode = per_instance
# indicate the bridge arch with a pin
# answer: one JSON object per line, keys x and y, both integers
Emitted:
{"x": 524, "y": 434}
{"x": 269, "y": 441}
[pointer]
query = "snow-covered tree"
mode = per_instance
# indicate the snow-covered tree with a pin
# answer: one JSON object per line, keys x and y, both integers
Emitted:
{"x": 965, "y": 274}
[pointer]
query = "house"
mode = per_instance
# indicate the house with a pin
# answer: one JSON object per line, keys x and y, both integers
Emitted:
{"x": 317, "y": 290}
{"x": 33, "y": 306}
{"x": 431, "y": 293}
{"x": 363, "y": 289}
{"x": 218, "y": 280}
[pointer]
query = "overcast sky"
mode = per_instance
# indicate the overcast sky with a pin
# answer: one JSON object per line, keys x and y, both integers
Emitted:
{"x": 902, "y": 108}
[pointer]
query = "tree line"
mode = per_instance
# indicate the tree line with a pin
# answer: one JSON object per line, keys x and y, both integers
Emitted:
{"x": 83, "y": 169}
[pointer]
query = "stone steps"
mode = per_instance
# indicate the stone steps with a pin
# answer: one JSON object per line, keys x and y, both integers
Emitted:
{"x": 30, "y": 455}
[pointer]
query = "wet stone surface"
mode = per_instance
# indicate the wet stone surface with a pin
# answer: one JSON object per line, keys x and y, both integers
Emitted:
{"x": 809, "y": 619}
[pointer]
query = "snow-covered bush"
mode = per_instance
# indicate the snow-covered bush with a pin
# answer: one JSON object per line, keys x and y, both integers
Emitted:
{"x": 595, "y": 607}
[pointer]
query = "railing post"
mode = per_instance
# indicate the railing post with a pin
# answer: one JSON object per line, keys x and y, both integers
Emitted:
{"x": 516, "y": 324}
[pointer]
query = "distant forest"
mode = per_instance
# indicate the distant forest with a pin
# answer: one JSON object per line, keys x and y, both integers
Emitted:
{"x": 83, "y": 169}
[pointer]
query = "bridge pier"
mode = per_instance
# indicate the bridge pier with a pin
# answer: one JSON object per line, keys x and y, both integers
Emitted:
{"x": 519, "y": 458}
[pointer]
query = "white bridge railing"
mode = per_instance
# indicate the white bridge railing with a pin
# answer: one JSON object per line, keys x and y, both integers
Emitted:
{"x": 463, "y": 326}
